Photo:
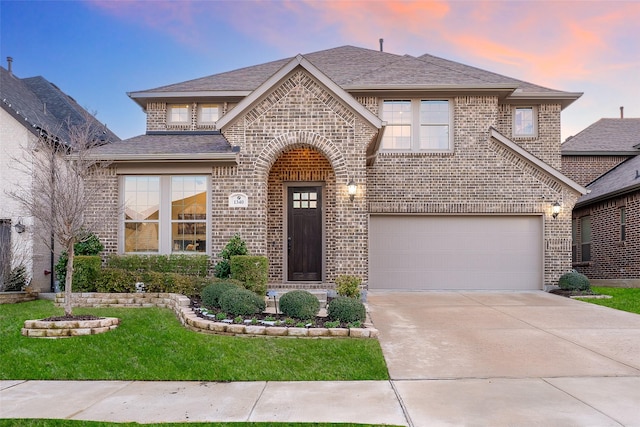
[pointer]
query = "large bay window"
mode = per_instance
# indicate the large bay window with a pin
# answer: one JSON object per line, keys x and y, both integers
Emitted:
{"x": 165, "y": 214}
{"x": 417, "y": 125}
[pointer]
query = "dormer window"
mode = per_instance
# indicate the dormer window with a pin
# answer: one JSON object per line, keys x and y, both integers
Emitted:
{"x": 525, "y": 122}
{"x": 178, "y": 114}
{"x": 208, "y": 114}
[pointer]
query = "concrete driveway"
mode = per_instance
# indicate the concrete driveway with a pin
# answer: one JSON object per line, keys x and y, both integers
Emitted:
{"x": 509, "y": 358}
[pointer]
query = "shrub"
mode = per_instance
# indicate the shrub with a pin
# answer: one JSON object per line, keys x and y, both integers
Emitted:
{"x": 86, "y": 269}
{"x": 574, "y": 281}
{"x": 299, "y": 304}
{"x": 116, "y": 280}
{"x": 346, "y": 310}
{"x": 241, "y": 302}
{"x": 211, "y": 293}
{"x": 17, "y": 279}
{"x": 348, "y": 286}
{"x": 89, "y": 246}
{"x": 252, "y": 271}
{"x": 236, "y": 246}
{"x": 188, "y": 265}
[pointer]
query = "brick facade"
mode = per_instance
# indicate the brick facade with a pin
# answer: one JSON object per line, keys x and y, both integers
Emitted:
{"x": 586, "y": 169}
{"x": 301, "y": 132}
{"x": 611, "y": 258}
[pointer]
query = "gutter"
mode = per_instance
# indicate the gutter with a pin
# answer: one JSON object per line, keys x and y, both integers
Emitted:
{"x": 606, "y": 196}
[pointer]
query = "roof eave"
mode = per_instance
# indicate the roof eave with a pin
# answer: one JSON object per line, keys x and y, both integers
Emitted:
{"x": 600, "y": 153}
{"x": 537, "y": 162}
{"x": 429, "y": 88}
{"x": 606, "y": 196}
{"x": 141, "y": 98}
{"x": 168, "y": 158}
{"x": 563, "y": 98}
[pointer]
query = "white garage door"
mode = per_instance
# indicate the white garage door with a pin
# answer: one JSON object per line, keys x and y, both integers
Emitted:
{"x": 455, "y": 252}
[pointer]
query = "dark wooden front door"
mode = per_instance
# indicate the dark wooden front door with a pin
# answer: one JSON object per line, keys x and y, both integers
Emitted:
{"x": 304, "y": 233}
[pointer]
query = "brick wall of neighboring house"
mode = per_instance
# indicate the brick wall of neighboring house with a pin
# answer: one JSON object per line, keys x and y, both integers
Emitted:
{"x": 585, "y": 169}
{"x": 611, "y": 258}
{"x": 480, "y": 177}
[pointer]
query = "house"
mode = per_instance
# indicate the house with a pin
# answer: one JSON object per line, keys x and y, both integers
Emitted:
{"x": 409, "y": 172}
{"x": 29, "y": 107}
{"x": 605, "y": 157}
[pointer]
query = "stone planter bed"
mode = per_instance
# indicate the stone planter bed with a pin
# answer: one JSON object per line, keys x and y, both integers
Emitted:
{"x": 68, "y": 328}
{"x": 181, "y": 305}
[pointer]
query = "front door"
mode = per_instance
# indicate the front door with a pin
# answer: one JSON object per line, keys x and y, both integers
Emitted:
{"x": 304, "y": 233}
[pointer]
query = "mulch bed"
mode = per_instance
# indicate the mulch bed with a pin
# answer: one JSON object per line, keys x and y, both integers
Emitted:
{"x": 568, "y": 294}
{"x": 78, "y": 317}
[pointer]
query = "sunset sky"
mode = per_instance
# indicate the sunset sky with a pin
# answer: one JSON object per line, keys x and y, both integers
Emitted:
{"x": 98, "y": 50}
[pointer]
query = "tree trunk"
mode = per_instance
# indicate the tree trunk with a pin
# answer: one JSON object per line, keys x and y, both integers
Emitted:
{"x": 68, "y": 281}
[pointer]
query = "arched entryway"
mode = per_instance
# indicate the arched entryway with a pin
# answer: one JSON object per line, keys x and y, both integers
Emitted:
{"x": 301, "y": 205}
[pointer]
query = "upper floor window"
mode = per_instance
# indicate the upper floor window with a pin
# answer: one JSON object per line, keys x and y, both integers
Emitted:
{"x": 623, "y": 224}
{"x": 165, "y": 214}
{"x": 585, "y": 237}
{"x": 178, "y": 114}
{"x": 417, "y": 125}
{"x": 525, "y": 122}
{"x": 208, "y": 113}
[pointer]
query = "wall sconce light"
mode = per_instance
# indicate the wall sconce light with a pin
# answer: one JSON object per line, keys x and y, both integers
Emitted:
{"x": 555, "y": 209}
{"x": 20, "y": 228}
{"x": 352, "y": 187}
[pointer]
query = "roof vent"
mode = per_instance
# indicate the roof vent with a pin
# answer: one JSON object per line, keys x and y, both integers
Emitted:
{"x": 9, "y": 63}
{"x": 381, "y": 42}
{"x": 622, "y": 112}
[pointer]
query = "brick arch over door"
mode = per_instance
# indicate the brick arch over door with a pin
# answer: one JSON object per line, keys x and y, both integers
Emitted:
{"x": 299, "y": 139}
{"x": 299, "y": 163}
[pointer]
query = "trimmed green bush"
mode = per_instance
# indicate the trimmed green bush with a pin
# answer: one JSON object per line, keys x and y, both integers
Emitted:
{"x": 574, "y": 281}
{"x": 241, "y": 302}
{"x": 252, "y": 271}
{"x": 17, "y": 279}
{"x": 188, "y": 265}
{"x": 348, "y": 286}
{"x": 121, "y": 280}
{"x": 346, "y": 310}
{"x": 211, "y": 293}
{"x": 299, "y": 304}
{"x": 88, "y": 246}
{"x": 236, "y": 246}
{"x": 86, "y": 269}
{"x": 116, "y": 280}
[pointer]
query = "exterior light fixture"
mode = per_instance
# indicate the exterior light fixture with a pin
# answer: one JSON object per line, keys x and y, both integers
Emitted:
{"x": 555, "y": 209}
{"x": 20, "y": 228}
{"x": 351, "y": 189}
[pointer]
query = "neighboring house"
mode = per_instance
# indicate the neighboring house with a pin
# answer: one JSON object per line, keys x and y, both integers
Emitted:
{"x": 29, "y": 106}
{"x": 409, "y": 172}
{"x": 605, "y": 157}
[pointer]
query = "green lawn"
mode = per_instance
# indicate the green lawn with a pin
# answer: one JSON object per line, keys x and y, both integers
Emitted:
{"x": 71, "y": 423}
{"x": 150, "y": 344}
{"x": 626, "y": 299}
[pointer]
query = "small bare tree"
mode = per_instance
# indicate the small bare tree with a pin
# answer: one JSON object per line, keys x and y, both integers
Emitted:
{"x": 60, "y": 165}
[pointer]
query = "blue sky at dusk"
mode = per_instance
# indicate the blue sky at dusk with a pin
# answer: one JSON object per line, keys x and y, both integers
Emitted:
{"x": 97, "y": 51}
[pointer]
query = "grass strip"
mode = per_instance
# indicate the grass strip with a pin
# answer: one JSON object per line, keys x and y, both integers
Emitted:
{"x": 151, "y": 344}
{"x": 625, "y": 299}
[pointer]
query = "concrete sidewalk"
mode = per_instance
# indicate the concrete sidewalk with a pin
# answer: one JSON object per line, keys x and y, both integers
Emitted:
{"x": 454, "y": 358}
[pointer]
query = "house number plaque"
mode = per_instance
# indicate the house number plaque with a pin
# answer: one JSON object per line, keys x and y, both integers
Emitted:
{"x": 238, "y": 200}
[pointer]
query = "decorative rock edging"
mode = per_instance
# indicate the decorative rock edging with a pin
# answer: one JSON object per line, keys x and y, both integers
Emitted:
{"x": 68, "y": 328}
{"x": 17, "y": 297}
{"x": 181, "y": 305}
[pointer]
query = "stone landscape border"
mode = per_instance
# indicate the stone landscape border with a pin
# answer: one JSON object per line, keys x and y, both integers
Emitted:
{"x": 181, "y": 306}
{"x": 68, "y": 328}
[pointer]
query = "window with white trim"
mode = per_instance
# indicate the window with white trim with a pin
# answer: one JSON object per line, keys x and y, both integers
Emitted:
{"x": 208, "y": 114}
{"x": 525, "y": 122}
{"x": 178, "y": 114}
{"x": 585, "y": 238}
{"x": 417, "y": 125}
{"x": 165, "y": 214}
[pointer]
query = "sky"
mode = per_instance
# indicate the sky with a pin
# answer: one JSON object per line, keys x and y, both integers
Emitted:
{"x": 98, "y": 50}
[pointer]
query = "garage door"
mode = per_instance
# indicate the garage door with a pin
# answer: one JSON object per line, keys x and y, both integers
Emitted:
{"x": 455, "y": 252}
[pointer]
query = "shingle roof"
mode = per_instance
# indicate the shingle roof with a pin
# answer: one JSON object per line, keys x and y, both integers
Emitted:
{"x": 178, "y": 145}
{"x": 622, "y": 179}
{"x": 606, "y": 136}
{"x": 355, "y": 68}
{"x": 42, "y": 105}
